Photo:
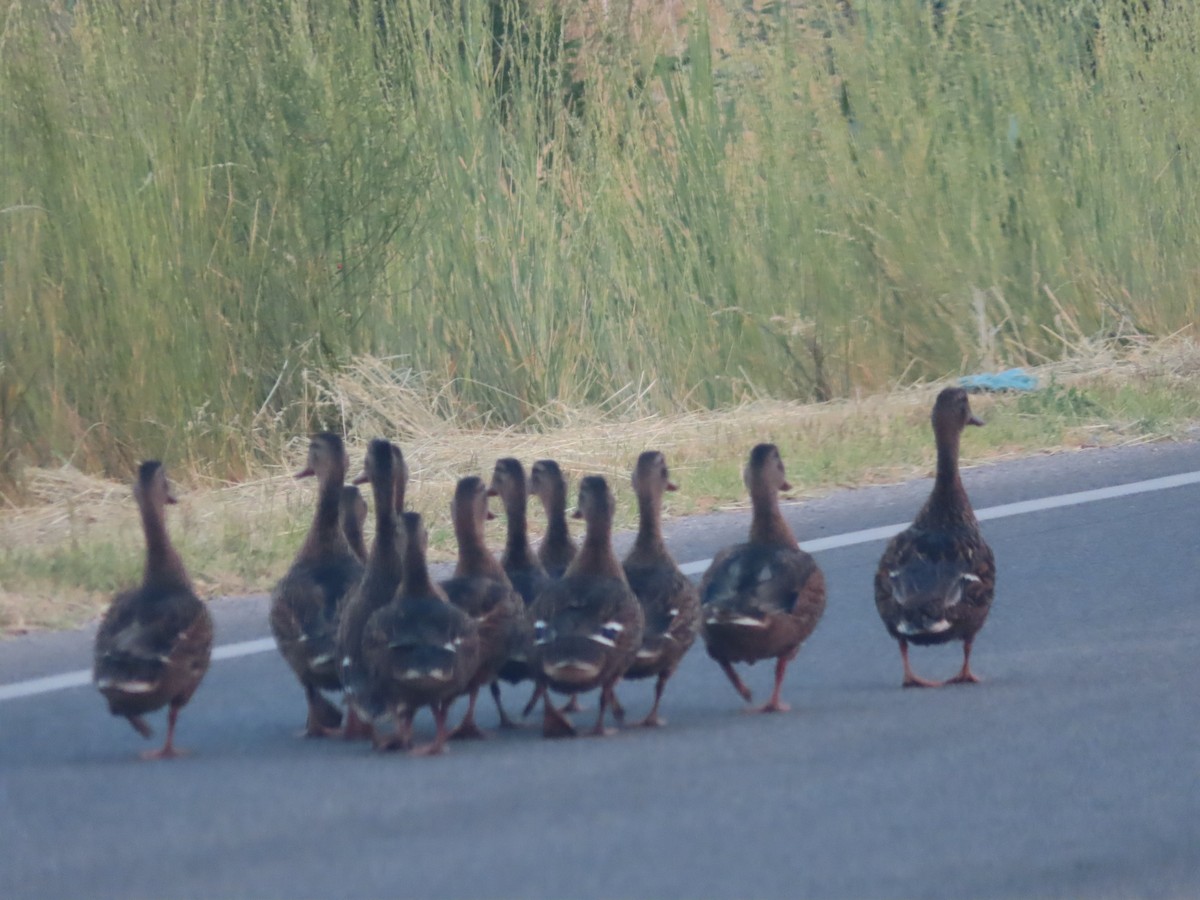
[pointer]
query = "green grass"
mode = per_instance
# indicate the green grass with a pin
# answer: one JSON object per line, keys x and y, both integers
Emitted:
{"x": 206, "y": 208}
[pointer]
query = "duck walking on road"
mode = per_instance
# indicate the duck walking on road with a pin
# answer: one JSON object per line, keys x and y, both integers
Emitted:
{"x": 155, "y": 641}
{"x": 761, "y": 599}
{"x": 936, "y": 579}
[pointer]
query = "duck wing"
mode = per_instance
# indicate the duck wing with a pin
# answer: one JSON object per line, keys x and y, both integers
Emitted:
{"x": 757, "y": 580}
{"x": 142, "y": 635}
{"x": 928, "y": 578}
{"x": 669, "y": 600}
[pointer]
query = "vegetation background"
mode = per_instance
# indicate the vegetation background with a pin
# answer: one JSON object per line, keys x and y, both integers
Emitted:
{"x": 210, "y": 212}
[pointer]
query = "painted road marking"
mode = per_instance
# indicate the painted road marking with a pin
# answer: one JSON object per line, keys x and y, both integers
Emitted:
{"x": 51, "y": 683}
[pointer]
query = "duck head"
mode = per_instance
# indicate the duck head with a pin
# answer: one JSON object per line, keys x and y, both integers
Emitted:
{"x": 326, "y": 457}
{"x": 151, "y": 487}
{"x": 764, "y": 471}
{"x": 508, "y": 481}
{"x": 651, "y": 475}
{"x": 952, "y": 412}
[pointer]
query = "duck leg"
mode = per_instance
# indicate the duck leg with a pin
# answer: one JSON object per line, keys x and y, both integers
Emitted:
{"x": 614, "y": 704}
{"x": 965, "y": 675}
{"x": 607, "y": 697}
{"x": 538, "y": 693}
{"x": 440, "y": 713}
{"x": 910, "y": 679}
{"x": 735, "y": 680}
{"x": 505, "y": 721}
{"x": 776, "y": 704}
{"x": 356, "y": 728}
{"x": 324, "y": 718}
{"x": 652, "y": 719}
{"x": 467, "y": 729}
{"x": 168, "y": 750}
{"x": 554, "y": 723}
{"x": 402, "y": 739}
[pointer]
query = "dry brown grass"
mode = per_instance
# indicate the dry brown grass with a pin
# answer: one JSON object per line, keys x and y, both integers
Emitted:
{"x": 77, "y": 538}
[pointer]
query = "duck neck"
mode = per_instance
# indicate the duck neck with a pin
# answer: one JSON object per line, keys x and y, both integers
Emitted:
{"x": 768, "y": 525}
{"x": 596, "y": 554}
{"x": 163, "y": 564}
{"x": 516, "y": 542}
{"x": 326, "y": 531}
{"x": 649, "y": 543}
{"x": 385, "y": 546}
{"x": 416, "y": 581}
{"x": 556, "y": 518}
{"x": 354, "y": 537}
{"x": 474, "y": 559}
{"x": 948, "y": 500}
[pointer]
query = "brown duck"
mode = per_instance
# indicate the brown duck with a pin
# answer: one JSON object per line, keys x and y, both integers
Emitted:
{"x": 304, "y": 604}
{"x": 587, "y": 626}
{"x": 481, "y": 589}
{"x": 520, "y": 564}
{"x": 670, "y": 602}
{"x": 421, "y": 650}
{"x": 936, "y": 579}
{"x": 761, "y": 599}
{"x": 385, "y": 469}
{"x": 557, "y": 549}
{"x": 155, "y": 641}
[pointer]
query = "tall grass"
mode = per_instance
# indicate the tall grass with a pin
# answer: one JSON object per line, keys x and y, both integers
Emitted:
{"x": 202, "y": 201}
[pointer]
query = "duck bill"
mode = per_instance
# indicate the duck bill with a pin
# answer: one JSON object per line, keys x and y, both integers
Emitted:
{"x": 305, "y": 473}
{"x": 975, "y": 420}
{"x": 360, "y": 478}
{"x": 672, "y": 486}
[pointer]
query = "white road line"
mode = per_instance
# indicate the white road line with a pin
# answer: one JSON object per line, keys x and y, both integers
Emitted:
{"x": 82, "y": 677}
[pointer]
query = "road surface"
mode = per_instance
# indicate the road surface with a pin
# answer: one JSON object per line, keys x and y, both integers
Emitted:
{"x": 1073, "y": 770}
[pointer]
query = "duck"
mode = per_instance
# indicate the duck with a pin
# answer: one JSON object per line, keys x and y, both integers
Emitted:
{"x": 670, "y": 602}
{"x": 764, "y": 598}
{"x": 549, "y": 485}
{"x": 557, "y": 549}
{"x": 155, "y": 641}
{"x": 481, "y": 589}
{"x": 936, "y": 579}
{"x": 520, "y": 564}
{"x": 305, "y": 602}
{"x": 588, "y": 625}
{"x": 353, "y": 515}
{"x": 385, "y": 469}
{"x": 421, "y": 650}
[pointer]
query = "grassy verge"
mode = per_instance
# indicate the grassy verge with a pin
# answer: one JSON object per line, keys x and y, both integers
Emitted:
{"x": 65, "y": 554}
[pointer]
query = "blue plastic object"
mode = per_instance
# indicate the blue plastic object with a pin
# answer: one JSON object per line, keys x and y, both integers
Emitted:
{"x": 1010, "y": 380}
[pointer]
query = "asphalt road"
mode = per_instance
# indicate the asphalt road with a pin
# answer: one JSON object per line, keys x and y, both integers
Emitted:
{"x": 1073, "y": 770}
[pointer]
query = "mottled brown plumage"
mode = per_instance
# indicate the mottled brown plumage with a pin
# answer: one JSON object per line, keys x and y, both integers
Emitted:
{"x": 670, "y": 602}
{"x": 305, "y": 602}
{"x": 936, "y": 579}
{"x": 761, "y": 599}
{"x": 480, "y": 588}
{"x": 384, "y": 467}
{"x": 587, "y": 626}
{"x": 155, "y": 641}
{"x": 421, "y": 650}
